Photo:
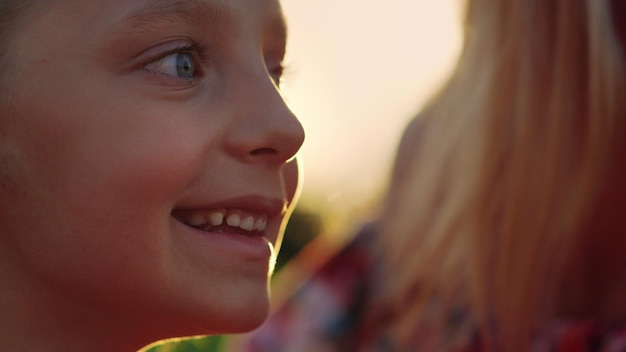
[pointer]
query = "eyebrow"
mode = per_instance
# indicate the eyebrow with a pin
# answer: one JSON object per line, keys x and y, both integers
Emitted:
{"x": 177, "y": 12}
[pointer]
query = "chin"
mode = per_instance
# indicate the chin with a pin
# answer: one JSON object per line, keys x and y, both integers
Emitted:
{"x": 246, "y": 317}
{"x": 198, "y": 324}
{"x": 238, "y": 313}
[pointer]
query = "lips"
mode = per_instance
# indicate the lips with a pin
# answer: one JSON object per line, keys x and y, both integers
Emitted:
{"x": 224, "y": 220}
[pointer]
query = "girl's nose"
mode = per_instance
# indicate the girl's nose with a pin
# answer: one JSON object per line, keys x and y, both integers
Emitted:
{"x": 268, "y": 131}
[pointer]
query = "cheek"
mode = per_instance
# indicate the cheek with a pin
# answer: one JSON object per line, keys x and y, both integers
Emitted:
{"x": 154, "y": 168}
{"x": 96, "y": 185}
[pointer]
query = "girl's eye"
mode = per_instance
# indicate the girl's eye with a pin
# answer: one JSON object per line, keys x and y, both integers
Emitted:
{"x": 178, "y": 64}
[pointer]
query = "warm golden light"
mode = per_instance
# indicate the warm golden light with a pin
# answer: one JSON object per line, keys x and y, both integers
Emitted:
{"x": 358, "y": 70}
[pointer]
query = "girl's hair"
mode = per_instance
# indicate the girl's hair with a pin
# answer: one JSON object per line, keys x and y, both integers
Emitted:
{"x": 12, "y": 13}
{"x": 508, "y": 164}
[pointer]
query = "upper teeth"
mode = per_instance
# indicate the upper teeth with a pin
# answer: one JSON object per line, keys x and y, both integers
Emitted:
{"x": 233, "y": 218}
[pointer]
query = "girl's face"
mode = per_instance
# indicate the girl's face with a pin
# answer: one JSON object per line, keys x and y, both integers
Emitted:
{"x": 142, "y": 146}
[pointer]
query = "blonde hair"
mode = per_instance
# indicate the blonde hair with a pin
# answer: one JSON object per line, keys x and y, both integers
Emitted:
{"x": 506, "y": 169}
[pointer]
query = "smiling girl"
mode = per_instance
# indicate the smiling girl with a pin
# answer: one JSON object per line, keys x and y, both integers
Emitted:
{"x": 143, "y": 147}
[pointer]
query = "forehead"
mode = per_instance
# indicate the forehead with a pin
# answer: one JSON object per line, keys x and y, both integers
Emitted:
{"x": 137, "y": 15}
{"x": 201, "y": 10}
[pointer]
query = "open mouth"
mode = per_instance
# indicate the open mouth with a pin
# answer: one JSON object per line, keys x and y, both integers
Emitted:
{"x": 224, "y": 221}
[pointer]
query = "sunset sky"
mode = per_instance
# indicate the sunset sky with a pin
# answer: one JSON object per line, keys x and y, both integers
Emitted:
{"x": 357, "y": 71}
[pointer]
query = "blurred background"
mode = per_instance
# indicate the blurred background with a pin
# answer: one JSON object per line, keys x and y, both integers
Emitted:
{"x": 356, "y": 72}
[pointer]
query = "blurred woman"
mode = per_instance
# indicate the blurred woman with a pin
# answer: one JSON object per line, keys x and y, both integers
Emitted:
{"x": 504, "y": 226}
{"x": 511, "y": 219}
